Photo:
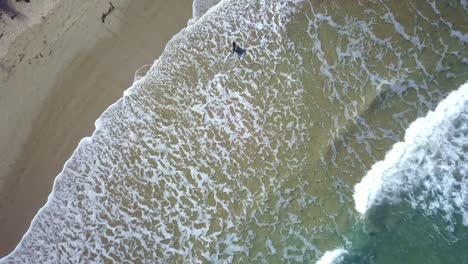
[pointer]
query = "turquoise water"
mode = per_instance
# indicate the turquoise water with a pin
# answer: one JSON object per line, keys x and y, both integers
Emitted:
{"x": 213, "y": 158}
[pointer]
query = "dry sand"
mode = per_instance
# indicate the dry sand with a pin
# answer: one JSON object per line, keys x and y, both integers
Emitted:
{"x": 60, "y": 68}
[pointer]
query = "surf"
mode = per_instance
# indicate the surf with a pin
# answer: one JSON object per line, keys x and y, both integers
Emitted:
{"x": 209, "y": 157}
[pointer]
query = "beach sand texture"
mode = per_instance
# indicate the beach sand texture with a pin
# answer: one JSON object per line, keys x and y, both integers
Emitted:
{"x": 60, "y": 68}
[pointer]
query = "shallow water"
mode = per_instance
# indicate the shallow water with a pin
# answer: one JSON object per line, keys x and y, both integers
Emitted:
{"x": 213, "y": 158}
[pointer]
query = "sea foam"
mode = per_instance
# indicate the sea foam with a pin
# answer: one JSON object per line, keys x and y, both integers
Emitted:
{"x": 332, "y": 257}
{"x": 428, "y": 169}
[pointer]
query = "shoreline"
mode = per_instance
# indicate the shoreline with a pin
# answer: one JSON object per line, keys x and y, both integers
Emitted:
{"x": 52, "y": 101}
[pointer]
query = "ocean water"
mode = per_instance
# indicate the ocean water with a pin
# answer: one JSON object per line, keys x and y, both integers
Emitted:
{"x": 340, "y": 137}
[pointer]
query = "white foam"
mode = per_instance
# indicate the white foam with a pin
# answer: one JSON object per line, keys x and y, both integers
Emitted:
{"x": 332, "y": 257}
{"x": 431, "y": 159}
{"x": 200, "y": 7}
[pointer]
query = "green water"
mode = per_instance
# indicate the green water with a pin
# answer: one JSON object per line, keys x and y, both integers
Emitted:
{"x": 352, "y": 120}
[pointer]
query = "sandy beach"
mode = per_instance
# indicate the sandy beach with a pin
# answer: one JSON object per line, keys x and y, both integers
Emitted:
{"x": 60, "y": 67}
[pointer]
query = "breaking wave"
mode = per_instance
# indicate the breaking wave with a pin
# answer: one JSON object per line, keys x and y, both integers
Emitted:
{"x": 429, "y": 169}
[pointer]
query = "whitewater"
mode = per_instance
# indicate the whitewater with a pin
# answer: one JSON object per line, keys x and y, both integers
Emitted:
{"x": 426, "y": 171}
{"x": 289, "y": 154}
{"x": 431, "y": 159}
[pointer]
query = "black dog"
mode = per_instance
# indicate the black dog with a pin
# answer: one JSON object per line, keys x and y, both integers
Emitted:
{"x": 235, "y": 48}
{"x": 9, "y": 10}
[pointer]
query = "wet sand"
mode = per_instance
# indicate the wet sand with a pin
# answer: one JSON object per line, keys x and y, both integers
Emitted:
{"x": 59, "y": 71}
